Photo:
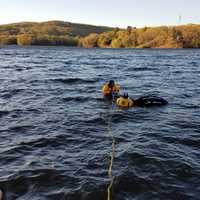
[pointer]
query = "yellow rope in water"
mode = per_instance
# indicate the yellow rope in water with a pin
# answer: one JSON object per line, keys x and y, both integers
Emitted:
{"x": 112, "y": 155}
{"x": 110, "y": 171}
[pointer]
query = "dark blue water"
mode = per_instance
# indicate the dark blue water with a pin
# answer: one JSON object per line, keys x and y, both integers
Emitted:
{"x": 54, "y": 140}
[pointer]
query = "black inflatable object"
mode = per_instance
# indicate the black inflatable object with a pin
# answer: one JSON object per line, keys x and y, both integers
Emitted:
{"x": 144, "y": 101}
{"x": 147, "y": 101}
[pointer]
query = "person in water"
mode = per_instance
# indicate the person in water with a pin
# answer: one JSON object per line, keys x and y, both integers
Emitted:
{"x": 124, "y": 101}
{"x": 146, "y": 101}
{"x": 110, "y": 89}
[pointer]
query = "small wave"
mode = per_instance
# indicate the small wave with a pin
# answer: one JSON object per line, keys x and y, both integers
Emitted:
{"x": 53, "y": 141}
{"x": 32, "y": 62}
{"x": 100, "y": 99}
{"x": 138, "y": 69}
{"x": 87, "y": 191}
{"x": 185, "y": 141}
{"x": 191, "y": 106}
{"x": 130, "y": 182}
{"x": 68, "y": 62}
{"x": 139, "y": 158}
{"x": 16, "y": 91}
{"x": 77, "y": 99}
{"x": 27, "y": 182}
{"x": 7, "y": 54}
{"x": 20, "y": 128}
{"x": 3, "y": 113}
{"x": 19, "y": 69}
{"x": 187, "y": 125}
{"x": 126, "y": 115}
{"x": 138, "y": 173}
{"x": 43, "y": 142}
{"x": 95, "y": 120}
{"x": 177, "y": 72}
{"x": 193, "y": 64}
{"x": 185, "y": 95}
{"x": 74, "y": 80}
{"x": 168, "y": 65}
{"x": 6, "y": 94}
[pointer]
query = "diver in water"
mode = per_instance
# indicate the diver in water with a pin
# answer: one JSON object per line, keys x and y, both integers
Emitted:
{"x": 146, "y": 101}
{"x": 111, "y": 90}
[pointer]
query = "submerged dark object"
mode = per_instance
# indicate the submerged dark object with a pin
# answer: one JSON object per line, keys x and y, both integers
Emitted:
{"x": 147, "y": 101}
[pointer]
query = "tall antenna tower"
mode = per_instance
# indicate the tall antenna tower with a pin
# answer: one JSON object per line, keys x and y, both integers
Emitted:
{"x": 179, "y": 20}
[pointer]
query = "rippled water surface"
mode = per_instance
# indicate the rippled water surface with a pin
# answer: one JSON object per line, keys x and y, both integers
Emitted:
{"x": 55, "y": 132}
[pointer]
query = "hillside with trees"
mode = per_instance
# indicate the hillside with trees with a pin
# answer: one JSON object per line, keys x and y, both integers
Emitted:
{"x": 187, "y": 36}
{"x": 88, "y": 36}
{"x": 47, "y": 33}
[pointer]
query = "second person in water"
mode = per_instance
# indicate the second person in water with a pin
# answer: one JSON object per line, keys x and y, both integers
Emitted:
{"x": 124, "y": 101}
{"x": 145, "y": 101}
{"x": 111, "y": 91}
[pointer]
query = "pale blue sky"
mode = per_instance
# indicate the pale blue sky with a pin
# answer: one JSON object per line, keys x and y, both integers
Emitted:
{"x": 114, "y": 13}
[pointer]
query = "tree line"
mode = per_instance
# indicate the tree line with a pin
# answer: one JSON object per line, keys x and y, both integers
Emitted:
{"x": 30, "y": 39}
{"x": 187, "y": 36}
{"x": 46, "y": 33}
{"x": 69, "y": 34}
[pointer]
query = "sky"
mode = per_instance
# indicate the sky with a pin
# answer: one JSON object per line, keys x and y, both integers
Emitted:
{"x": 115, "y": 13}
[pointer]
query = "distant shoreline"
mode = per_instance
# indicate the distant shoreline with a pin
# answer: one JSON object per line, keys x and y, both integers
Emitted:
{"x": 77, "y": 47}
{"x": 59, "y": 33}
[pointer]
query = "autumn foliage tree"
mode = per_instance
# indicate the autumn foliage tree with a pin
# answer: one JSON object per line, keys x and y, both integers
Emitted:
{"x": 24, "y": 39}
{"x": 7, "y": 40}
{"x": 48, "y": 33}
{"x": 69, "y": 34}
{"x": 90, "y": 41}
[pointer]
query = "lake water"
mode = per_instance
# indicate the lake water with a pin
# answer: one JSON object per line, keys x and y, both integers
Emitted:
{"x": 55, "y": 130}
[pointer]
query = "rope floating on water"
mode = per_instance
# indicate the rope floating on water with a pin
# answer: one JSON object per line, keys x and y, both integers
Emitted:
{"x": 112, "y": 156}
{"x": 109, "y": 190}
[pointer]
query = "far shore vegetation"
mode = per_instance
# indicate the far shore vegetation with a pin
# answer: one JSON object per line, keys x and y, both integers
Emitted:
{"x": 88, "y": 36}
